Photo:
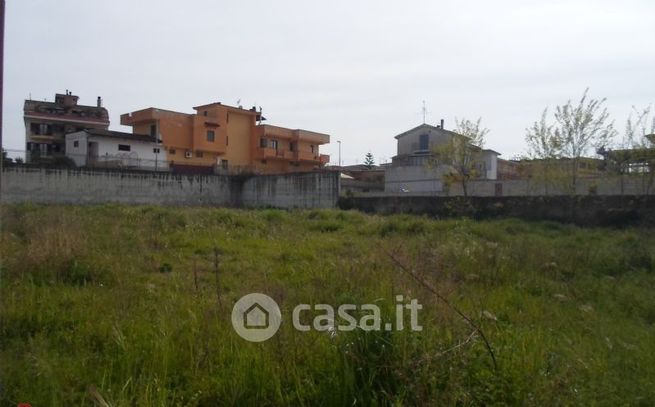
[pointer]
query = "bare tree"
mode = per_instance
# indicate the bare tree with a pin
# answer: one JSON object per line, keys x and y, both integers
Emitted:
{"x": 580, "y": 128}
{"x": 462, "y": 153}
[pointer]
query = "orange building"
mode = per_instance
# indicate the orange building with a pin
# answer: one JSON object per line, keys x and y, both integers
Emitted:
{"x": 221, "y": 138}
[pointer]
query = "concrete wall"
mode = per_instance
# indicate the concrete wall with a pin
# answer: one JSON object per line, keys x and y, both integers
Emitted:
{"x": 423, "y": 181}
{"x": 583, "y": 210}
{"x": 308, "y": 190}
{"x": 612, "y": 185}
{"x": 411, "y": 179}
{"x": 83, "y": 186}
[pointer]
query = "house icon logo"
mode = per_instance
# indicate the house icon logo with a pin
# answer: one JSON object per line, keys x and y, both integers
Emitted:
{"x": 256, "y": 317}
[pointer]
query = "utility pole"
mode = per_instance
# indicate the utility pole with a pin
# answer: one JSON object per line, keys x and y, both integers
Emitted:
{"x": 339, "y": 141}
{"x": 2, "y": 71}
{"x": 2, "y": 59}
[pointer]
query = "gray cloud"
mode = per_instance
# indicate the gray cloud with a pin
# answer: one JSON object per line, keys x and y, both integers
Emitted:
{"x": 357, "y": 70}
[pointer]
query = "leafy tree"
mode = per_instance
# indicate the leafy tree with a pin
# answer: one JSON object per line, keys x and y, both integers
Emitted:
{"x": 639, "y": 131}
{"x": 639, "y": 137}
{"x": 544, "y": 148}
{"x": 369, "y": 161}
{"x": 581, "y": 127}
{"x": 462, "y": 153}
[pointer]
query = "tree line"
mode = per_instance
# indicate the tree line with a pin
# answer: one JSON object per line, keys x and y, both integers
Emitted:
{"x": 573, "y": 133}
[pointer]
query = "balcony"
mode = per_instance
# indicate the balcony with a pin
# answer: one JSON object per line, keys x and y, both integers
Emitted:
{"x": 267, "y": 153}
{"x": 311, "y": 137}
{"x": 306, "y": 156}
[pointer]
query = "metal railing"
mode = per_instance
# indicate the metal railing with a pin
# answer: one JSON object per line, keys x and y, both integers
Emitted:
{"x": 125, "y": 161}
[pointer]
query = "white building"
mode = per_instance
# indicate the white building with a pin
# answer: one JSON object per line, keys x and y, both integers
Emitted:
{"x": 115, "y": 149}
{"x": 410, "y": 172}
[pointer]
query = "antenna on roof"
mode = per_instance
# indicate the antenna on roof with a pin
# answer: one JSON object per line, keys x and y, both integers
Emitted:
{"x": 424, "y": 111}
{"x": 239, "y": 103}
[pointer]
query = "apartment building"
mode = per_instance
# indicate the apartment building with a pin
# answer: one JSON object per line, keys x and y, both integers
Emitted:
{"x": 219, "y": 137}
{"x": 47, "y": 123}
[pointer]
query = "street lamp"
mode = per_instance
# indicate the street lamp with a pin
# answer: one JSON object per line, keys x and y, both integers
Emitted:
{"x": 339, "y": 141}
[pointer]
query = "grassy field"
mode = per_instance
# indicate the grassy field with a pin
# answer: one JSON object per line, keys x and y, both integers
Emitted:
{"x": 121, "y": 306}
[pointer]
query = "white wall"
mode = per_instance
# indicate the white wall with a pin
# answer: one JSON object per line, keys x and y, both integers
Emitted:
{"x": 141, "y": 153}
{"x": 490, "y": 164}
{"x": 79, "y": 153}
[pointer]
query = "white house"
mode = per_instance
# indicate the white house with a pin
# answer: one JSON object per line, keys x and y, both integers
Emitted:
{"x": 115, "y": 149}
{"x": 410, "y": 172}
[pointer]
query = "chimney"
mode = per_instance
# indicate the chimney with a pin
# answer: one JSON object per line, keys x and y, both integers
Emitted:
{"x": 99, "y": 101}
{"x": 441, "y": 126}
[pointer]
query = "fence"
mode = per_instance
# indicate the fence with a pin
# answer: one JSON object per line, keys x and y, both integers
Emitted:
{"x": 121, "y": 162}
{"x": 125, "y": 161}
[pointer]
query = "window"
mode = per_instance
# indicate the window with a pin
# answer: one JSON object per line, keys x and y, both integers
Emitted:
{"x": 274, "y": 144}
{"x": 211, "y": 136}
{"x": 423, "y": 141}
{"x": 292, "y": 146}
{"x": 45, "y": 129}
{"x": 76, "y": 143}
{"x": 153, "y": 130}
{"x": 204, "y": 113}
{"x": 171, "y": 151}
{"x": 227, "y": 140}
{"x": 224, "y": 164}
{"x": 40, "y": 129}
{"x": 199, "y": 154}
{"x": 155, "y": 150}
{"x": 263, "y": 143}
{"x": 124, "y": 147}
{"x": 312, "y": 147}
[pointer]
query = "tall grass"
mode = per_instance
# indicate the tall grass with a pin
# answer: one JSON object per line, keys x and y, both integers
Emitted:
{"x": 119, "y": 303}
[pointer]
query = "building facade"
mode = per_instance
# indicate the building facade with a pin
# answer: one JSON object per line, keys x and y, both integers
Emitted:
{"x": 47, "y": 123}
{"x": 222, "y": 138}
{"x": 115, "y": 149}
{"x": 413, "y": 168}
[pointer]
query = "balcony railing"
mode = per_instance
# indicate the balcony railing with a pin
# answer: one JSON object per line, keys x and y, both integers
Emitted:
{"x": 266, "y": 153}
{"x": 272, "y": 153}
{"x": 306, "y": 156}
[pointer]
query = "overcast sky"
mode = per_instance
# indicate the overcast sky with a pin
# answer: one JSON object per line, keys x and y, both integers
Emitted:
{"x": 357, "y": 70}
